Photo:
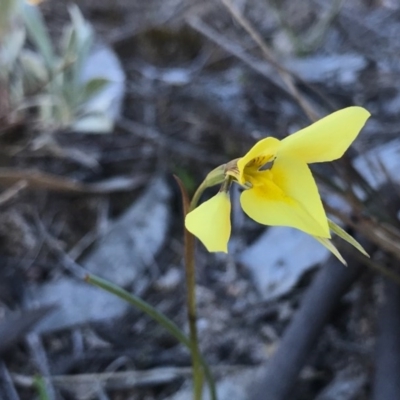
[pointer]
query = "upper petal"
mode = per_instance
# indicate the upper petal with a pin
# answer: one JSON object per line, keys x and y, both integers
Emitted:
{"x": 262, "y": 152}
{"x": 326, "y": 139}
{"x": 211, "y": 223}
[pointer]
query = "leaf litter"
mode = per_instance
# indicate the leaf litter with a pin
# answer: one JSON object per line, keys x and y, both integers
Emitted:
{"x": 197, "y": 91}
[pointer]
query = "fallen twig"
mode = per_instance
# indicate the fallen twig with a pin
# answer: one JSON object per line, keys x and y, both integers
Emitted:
{"x": 286, "y": 76}
{"x": 232, "y": 48}
{"x": 7, "y": 388}
{"x": 46, "y": 181}
{"x": 15, "y": 326}
{"x": 282, "y": 370}
{"x": 387, "y": 368}
{"x": 119, "y": 380}
{"x": 39, "y": 356}
{"x": 13, "y": 191}
{"x": 168, "y": 143}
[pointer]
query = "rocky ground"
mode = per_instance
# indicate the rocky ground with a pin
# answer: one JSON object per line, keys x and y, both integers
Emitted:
{"x": 193, "y": 89}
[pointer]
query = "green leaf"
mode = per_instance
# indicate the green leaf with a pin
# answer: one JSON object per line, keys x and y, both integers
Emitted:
{"x": 35, "y": 73}
{"x": 11, "y": 48}
{"x": 40, "y": 386}
{"x": 81, "y": 43}
{"x": 345, "y": 236}
{"x": 160, "y": 318}
{"x": 93, "y": 87}
{"x": 82, "y": 28}
{"x": 7, "y": 9}
{"x": 37, "y": 32}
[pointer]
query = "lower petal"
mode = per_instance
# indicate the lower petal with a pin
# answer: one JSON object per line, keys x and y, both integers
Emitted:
{"x": 268, "y": 205}
{"x": 294, "y": 178}
{"x": 211, "y": 223}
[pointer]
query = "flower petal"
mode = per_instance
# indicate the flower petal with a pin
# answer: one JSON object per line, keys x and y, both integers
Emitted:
{"x": 262, "y": 152}
{"x": 290, "y": 199}
{"x": 326, "y": 139}
{"x": 211, "y": 222}
{"x": 294, "y": 178}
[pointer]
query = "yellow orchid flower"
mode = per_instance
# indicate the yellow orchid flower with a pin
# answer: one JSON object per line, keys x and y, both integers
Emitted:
{"x": 280, "y": 189}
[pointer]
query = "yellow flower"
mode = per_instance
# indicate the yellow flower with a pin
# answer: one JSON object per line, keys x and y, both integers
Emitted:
{"x": 280, "y": 189}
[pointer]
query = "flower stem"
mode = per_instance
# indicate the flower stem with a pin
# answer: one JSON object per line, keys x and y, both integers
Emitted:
{"x": 191, "y": 308}
{"x": 191, "y": 289}
{"x": 196, "y": 197}
{"x": 40, "y": 384}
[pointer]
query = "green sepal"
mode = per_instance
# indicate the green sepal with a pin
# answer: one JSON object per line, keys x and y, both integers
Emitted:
{"x": 345, "y": 236}
{"x": 331, "y": 247}
{"x": 215, "y": 177}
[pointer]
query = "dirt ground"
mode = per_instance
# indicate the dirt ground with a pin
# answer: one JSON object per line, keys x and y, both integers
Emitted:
{"x": 199, "y": 91}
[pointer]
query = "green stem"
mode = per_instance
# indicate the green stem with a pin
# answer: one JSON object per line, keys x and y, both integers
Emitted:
{"x": 197, "y": 194}
{"x": 158, "y": 317}
{"x": 141, "y": 305}
{"x": 215, "y": 177}
{"x": 191, "y": 308}
{"x": 40, "y": 385}
{"x": 191, "y": 287}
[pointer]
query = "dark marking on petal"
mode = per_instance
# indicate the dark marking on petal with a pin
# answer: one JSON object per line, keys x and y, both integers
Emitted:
{"x": 267, "y": 165}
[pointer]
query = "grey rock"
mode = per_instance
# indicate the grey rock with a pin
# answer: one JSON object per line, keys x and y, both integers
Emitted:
{"x": 129, "y": 247}
{"x": 77, "y": 303}
{"x": 235, "y": 385}
{"x": 121, "y": 257}
{"x": 380, "y": 164}
{"x": 342, "y": 69}
{"x": 105, "y": 107}
{"x": 279, "y": 258}
{"x": 347, "y": 385}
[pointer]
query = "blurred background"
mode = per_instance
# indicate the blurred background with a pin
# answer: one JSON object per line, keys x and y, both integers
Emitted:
{"x": 101, "y": 102}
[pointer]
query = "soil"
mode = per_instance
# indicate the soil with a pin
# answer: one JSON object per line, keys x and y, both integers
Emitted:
{"x": 197, "y": 102}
